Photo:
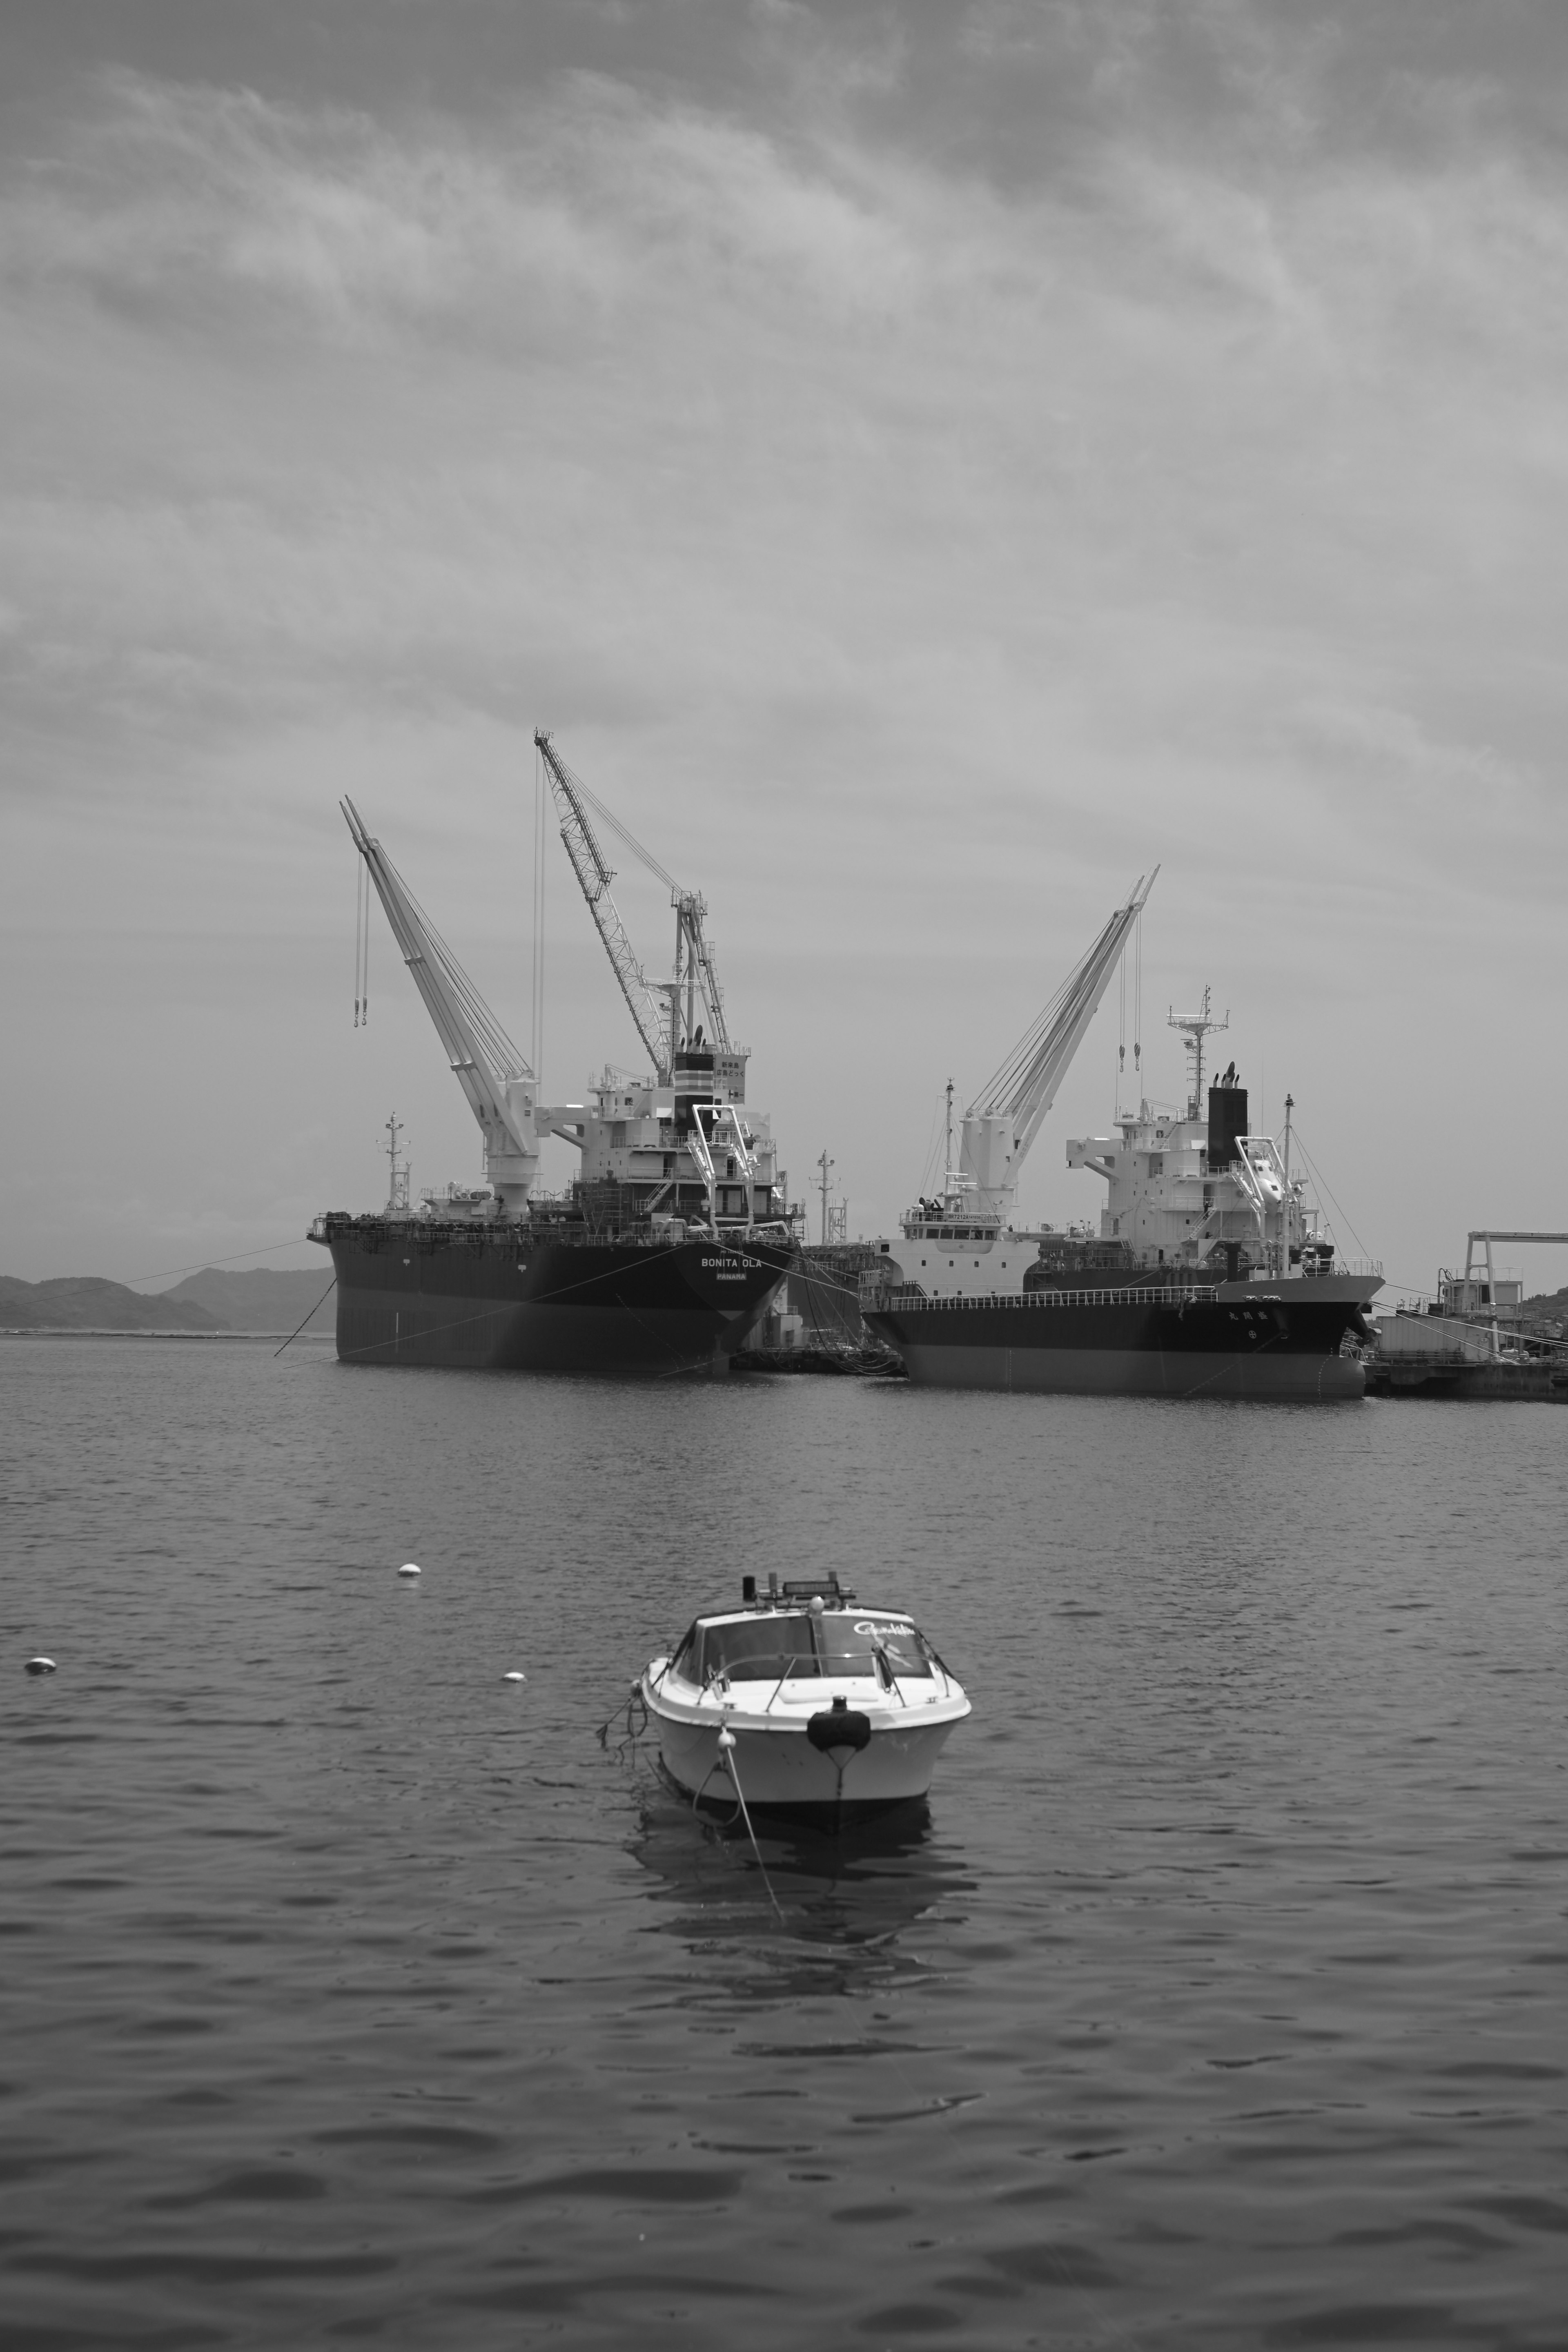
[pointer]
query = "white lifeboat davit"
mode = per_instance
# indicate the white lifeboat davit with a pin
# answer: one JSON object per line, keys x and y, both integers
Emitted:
{"x": 1267, "y": 1179}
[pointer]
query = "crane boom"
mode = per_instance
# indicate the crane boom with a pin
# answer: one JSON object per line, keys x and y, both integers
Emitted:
{"x": 501, "y": 1088}
{"x": 690, "y": 909}
{"x": 595, "y": 878}
{"x": 1003, "y": 1121}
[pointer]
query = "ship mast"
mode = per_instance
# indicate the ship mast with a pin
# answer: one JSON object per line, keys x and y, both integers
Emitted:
{"x": 1194, "y": 1027}
{"x": 1290, "y": 1106}
{"x": 1005, "y": 1118}
{"x": 398, "y": 1188}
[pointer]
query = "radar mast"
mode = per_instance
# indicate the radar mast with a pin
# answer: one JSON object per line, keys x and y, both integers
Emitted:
{"x": 1195, "y": 1028}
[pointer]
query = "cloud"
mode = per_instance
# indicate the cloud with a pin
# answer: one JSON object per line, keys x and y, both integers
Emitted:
{"x": 916, "y": 537}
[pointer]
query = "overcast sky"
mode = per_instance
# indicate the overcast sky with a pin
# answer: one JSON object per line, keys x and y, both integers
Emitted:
{"x": 926, "y": 462}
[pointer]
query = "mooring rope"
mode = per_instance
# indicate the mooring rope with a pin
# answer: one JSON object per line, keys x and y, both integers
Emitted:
{"x": 728, "y": 1751}
{"x": 633, "y": 1699}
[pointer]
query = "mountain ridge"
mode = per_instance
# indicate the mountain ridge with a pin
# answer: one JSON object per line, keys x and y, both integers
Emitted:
{"x": 90, "y": 1302}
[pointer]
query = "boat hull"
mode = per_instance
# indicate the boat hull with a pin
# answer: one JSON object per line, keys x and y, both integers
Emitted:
{"x": 779, "y": 1772}
{"x": 503, "y": 1297}
{"x": 1241, "y": 1341}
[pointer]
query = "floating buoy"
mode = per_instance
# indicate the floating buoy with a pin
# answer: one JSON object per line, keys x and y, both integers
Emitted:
{"x": 40, "y": 1665}
{"x": 726, "y": 1740}
{"x": 513, "y": 1675}
{"x": 408, "y": 1569}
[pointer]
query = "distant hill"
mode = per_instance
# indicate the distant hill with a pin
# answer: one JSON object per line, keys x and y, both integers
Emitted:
{"x": 88, "y": 1302}
{"x": 264, "y": 1300}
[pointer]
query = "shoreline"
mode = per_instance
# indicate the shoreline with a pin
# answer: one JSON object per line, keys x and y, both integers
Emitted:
{"x": 65, "y": 1331}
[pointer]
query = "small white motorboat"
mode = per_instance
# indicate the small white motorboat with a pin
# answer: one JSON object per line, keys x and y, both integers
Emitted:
{"x": 802, "y": 1701}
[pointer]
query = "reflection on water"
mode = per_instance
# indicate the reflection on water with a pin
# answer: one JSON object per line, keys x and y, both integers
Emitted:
{"x": 849, "y": 1901}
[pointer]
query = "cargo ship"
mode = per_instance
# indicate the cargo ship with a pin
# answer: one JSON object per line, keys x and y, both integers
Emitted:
{"x": 666, "y": 1249}
{"x": 1212, "y": 1273}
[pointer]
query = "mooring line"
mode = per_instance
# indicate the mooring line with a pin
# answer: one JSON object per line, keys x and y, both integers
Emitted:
{"x": 728, "y": 1751}
{"x": 316, "y": 1310}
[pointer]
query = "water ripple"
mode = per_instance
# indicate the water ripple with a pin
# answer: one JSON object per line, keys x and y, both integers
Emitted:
{"x": 352, "y": 1993}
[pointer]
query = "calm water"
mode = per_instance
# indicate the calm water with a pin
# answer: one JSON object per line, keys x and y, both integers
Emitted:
{"x": 351, "y": 1992}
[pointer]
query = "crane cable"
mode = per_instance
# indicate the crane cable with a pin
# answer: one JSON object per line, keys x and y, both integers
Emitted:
{"x": 624, "y": 832}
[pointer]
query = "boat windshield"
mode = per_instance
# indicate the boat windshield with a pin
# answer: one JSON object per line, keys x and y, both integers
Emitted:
{"x": 768, "y": 1649}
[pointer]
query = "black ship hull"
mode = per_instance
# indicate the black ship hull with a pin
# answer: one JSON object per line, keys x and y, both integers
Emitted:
{"x": 1238, "y": 1339}
{"x": 504, "y": 1297}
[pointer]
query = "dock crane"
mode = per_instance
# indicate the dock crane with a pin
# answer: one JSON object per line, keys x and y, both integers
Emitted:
{"x": 502, "y": 1091}
{"x": 1005, "y": 1118}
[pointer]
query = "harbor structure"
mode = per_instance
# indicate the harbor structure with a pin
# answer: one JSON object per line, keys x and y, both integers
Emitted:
{"x": 1474, "y": 1341}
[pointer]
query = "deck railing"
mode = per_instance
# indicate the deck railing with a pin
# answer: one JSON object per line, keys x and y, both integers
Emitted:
{"x": 428, "y": 1235}
{"x": 907, "y": 1302}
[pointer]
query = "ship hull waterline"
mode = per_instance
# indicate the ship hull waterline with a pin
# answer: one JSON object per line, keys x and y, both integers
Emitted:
{"x": 1244, "y": 1343}
{"x": 499, "y": 1300}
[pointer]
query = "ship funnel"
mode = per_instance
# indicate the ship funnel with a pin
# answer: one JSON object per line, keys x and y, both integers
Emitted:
{"x": 1228, "y": 1125}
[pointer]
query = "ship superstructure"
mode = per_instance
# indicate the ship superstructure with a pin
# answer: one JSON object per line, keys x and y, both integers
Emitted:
{"x": 671, "y": 1240}
{"x": 1211, "y": 1272}
{"x": 1197, "y": 1185}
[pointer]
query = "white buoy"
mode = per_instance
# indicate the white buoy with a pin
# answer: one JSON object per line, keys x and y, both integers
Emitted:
{"x": 40, "y": 1665}
{"x": 514, "y": 1676}
{"x": 726, "y": 1740}
{"x": 408, "y": 1569}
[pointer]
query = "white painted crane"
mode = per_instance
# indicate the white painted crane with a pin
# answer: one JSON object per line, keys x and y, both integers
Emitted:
{"x": 595, "y": 877}
{"x": 695, "y": 973}
{"x": 1005, "y": 1118}
{"x": 501, "y": 1090}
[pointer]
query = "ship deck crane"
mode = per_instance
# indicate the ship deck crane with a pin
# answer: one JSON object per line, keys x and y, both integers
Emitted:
{"x": 695, "y": 974}
{"x": 501, "y": 1090}
{"x": 1005, "y": 1118}
{"x": 666, "y": 1035}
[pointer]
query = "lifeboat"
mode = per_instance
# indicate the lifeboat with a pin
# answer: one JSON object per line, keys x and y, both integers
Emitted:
{"x": 803, "y": 1702}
